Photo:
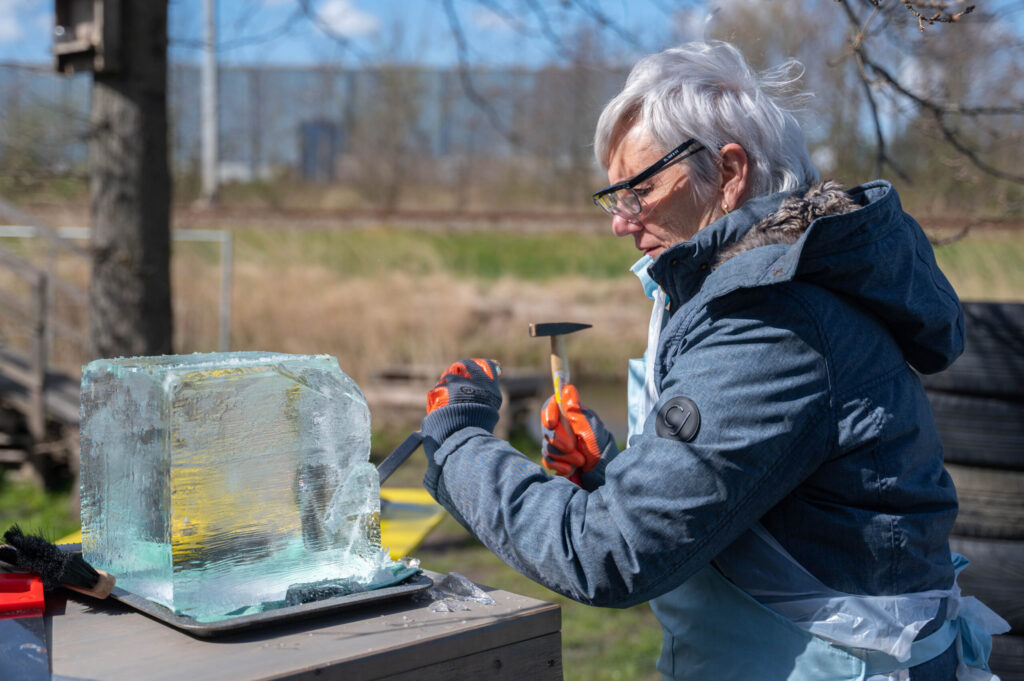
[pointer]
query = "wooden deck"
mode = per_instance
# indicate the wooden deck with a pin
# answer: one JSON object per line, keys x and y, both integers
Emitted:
{"x": 60, "y": 392}
{"x": 39, "y": 433}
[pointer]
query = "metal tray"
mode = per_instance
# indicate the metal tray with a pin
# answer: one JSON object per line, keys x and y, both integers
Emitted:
{"x": 414, "y": 584}
{"x": 411, "y": 585}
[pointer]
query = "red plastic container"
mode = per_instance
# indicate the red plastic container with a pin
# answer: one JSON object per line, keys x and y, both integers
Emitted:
{"x": 21, "y": 595}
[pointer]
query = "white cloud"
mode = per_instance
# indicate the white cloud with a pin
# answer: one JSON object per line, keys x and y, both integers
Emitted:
{"x": 488, "y": 20}
{"x": 344, "y": 18}
{"x": 9, "y": 29}
{"x": 13, "y": 15}
{"x": 691, "y": 23}
{"x": 923, "y": 77}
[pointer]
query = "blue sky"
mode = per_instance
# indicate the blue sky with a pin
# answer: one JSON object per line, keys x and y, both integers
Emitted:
{"x": 501, "y": 32}
{"x": 278, "y": 32}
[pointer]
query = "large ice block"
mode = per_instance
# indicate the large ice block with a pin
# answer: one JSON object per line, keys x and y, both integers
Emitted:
{"x": 213, "y": 482}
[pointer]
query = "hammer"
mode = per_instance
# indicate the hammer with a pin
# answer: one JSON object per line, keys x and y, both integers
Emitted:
{"x": 557, "y": 331}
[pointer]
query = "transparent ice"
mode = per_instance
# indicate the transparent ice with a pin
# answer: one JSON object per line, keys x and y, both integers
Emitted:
{"x": 213, "y": 482}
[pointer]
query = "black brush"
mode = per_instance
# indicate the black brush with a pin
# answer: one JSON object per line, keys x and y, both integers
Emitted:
{"x": 54, "y": 566}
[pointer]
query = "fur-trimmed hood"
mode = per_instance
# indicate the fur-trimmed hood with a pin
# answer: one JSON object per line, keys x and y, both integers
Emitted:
{"x": 792, "y": 218}
{"x": 861, "y": 246}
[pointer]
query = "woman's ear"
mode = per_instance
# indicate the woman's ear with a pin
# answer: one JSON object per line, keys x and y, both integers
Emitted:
{"x": 735, "y": 167}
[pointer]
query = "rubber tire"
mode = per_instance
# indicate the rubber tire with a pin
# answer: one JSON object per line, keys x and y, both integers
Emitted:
{"x": 995, "y": 575}
{"x": 980, "y": 431}
{"x": 991, "y": 502}
{"x": 1007, "y": 659}
{"x": 993, "y": 359}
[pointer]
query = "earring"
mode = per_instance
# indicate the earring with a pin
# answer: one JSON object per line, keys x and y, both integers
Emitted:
{"x": 725, "y": 207}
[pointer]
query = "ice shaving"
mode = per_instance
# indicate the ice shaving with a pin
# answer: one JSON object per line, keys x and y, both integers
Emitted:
{"x": 224, "y": 484}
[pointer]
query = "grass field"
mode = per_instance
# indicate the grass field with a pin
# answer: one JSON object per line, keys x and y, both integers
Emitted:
{"x": 380, "y": 297}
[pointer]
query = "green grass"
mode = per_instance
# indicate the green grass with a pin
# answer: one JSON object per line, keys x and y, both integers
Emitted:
{"x": 47, "y": 514}
{"x": 985, "y": 265}
{"x": 483, "y": 255}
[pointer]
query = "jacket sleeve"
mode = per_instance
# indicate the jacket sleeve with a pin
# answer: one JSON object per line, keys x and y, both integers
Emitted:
{"x": 757, "y": 370}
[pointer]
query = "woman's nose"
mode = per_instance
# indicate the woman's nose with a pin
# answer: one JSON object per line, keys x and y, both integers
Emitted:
{"x": 623, "y": 227}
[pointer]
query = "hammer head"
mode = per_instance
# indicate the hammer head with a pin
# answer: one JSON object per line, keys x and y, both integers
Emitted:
{"x": 556, "y": 328}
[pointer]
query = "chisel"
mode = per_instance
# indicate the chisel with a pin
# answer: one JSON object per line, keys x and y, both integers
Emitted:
{"x": 397, "y": 457}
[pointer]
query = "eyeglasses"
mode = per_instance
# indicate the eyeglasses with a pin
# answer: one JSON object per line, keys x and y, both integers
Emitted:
{"x": 622, "y": 200}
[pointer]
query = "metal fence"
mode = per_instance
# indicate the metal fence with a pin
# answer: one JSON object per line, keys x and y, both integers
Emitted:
{"x": 268, "y": 116}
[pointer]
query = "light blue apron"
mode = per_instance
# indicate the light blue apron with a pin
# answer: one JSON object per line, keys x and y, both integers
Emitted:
{"x": 713, "y": 629}
{"x": 641, "y": 388}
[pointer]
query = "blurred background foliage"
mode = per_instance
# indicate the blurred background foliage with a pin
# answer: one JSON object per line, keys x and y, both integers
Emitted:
{"x": 936, "y": 107}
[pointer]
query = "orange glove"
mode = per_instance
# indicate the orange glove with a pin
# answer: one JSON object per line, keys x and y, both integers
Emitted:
{"x": 572, "y": 452}
{"x": 468, "y": 381}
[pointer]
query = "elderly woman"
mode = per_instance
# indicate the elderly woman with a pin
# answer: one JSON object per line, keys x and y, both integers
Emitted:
{"x": 782, "y": 502}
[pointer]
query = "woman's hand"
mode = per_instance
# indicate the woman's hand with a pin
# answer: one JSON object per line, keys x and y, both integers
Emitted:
{"x": 472, "y": 381}
{"x": 575, "y": 444}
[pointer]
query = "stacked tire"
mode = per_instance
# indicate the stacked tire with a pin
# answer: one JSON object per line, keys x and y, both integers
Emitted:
{"x": 979, "y": 410}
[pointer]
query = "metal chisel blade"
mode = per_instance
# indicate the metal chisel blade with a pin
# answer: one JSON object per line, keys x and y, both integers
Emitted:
{"x": 397, "y": 457}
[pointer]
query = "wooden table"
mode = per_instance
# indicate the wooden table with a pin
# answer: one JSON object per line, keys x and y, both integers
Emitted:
{"x": 399, "y": 640}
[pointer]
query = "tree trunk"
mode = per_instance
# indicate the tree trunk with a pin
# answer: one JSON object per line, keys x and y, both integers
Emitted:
{"x": 130, "y": 296}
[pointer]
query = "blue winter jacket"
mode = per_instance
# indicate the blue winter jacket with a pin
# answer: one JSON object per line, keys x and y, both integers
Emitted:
{"x": 798, "y": 358}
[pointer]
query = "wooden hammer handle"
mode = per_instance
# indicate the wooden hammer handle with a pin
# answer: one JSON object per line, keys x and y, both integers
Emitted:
{"x": 559, "y": 367}
{"x": 560, "y": 375}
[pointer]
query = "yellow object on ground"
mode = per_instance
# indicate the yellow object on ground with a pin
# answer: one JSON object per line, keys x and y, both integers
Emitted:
{"x": 407, "y": 516}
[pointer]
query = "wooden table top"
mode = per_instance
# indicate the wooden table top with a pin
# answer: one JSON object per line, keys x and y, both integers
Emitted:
{"x": 109, "y": 641}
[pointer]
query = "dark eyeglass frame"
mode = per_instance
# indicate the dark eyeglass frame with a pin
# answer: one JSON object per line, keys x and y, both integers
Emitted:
{"x": 671, "y": 158}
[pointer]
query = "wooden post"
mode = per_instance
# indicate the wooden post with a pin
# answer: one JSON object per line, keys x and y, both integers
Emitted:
{"x": 37, "y": 362}
{"x": 130, "y": 296}
{"x": 35, "y": 416}
{"x": 226, "y": 267}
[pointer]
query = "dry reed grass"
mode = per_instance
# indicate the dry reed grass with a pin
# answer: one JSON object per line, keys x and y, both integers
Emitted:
{"x": 426, "y": 321}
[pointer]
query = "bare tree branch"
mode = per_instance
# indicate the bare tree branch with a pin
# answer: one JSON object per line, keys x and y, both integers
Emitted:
{"x": 474, "y": 96}
{"x": 940, "y": 112}
{"x": 545, "y": 28}
{"x": 882, "y": 158}
{"x": 942, "y": 11}
{"x": 603, "y": 19}
{"x": 949, "y": 133}
{"x": 520, "y": 27}
{"x": 281, "y": 30}
{"x": 314, "y": 17}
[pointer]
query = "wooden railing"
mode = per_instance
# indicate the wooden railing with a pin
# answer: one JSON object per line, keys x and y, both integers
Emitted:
{"x": 31, "y": 374}
{"x": 46, "y": 399}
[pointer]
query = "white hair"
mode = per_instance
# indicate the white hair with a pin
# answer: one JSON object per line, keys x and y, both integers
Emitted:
{"x": 706, "y": 90}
